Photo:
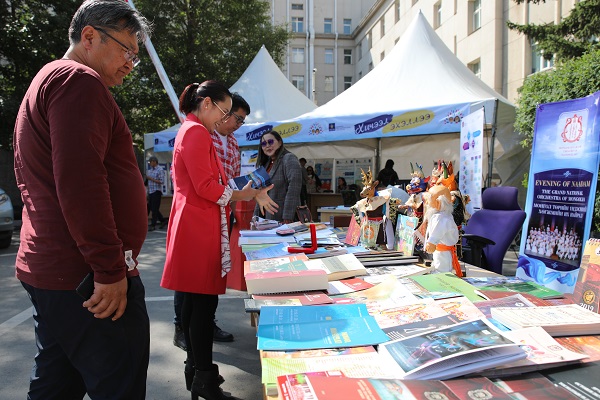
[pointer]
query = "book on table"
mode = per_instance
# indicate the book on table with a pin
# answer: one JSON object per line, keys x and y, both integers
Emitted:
{"x": 453, "y": 351}
{"x": 356, "y": 362}
{"x": 259, "y": 177}
{"x": 335, "y": 385}
{"x": 338, "y": 267}
{"x": 378, "y": 274}
{"x": 288, "y": 299}
{"x": 271, "y": 264}
{"x": 286, "y": 281}
{"x": 543, "y": 352}
{"x": 447, "y": 282}
{"x": 565, "y": 320}
{"x": 532, "y": 288}
{"x": 587, "y": 287}
{"x": 348, "y": 286}
{"x": 412, "y": 328}
{"x": 317, "y": 327}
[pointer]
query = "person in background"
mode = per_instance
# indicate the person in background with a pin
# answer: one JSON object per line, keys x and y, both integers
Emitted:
{"x": 286, "y": 174}
{"x": 303, "y": 192}
{"x": 84, "y": 214}
{"x": 198, "y": 257}
{"x": 313, "y": 183}
{"x": 155, "y": 176}
{"x": 228, "y": 150}
{"x": 342, "y": 185}
{"x": 387, "y": 176}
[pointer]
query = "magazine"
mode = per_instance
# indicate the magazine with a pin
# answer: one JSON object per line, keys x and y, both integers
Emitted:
{"x": 259, "y": 177}
{"x": 452, "y": 351}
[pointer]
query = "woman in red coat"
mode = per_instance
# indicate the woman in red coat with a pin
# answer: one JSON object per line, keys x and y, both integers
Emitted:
{"x": 198, "y": 258}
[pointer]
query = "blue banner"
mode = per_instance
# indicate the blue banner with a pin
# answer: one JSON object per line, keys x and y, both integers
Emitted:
{"x": 439, "y": 119}
{"x": 560, "y": 194}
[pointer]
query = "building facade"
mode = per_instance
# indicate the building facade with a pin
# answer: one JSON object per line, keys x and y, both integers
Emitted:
{"x": 337, "y": 42}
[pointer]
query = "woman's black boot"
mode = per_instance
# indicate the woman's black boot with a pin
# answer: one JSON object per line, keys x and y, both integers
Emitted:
{"x": 206, "y": 385}
{"x": 189, "y": 372}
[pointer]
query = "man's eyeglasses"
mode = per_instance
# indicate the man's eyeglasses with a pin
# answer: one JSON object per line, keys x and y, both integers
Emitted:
{"x": 239, "y": 120}
{"x": 268, "y": 142}
{"x": 129, "y": 54}
{"x": 225, "y": 116}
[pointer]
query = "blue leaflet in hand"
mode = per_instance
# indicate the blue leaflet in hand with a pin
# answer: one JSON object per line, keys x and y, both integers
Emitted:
{"x": 260, "y": 178}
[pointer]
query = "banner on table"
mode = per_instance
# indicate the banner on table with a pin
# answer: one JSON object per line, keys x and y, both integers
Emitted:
{"x": 471, "y": 158}
{"x": 560, "y": 194}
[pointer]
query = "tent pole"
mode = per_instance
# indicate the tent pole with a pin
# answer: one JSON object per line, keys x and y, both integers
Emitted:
{"x": 491, "y": 156}
{"x": 164, "y": 78}
{"x": 377, "y": 157}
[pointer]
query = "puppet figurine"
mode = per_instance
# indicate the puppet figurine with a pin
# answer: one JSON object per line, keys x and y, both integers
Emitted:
{"x": 416, "y": 187}
{"x": 442, "y": 234}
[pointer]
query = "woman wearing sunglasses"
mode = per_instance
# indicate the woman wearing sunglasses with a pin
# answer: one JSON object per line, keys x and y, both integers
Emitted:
{"x": 198, "y": 257}
{"x": 286, "y": 174}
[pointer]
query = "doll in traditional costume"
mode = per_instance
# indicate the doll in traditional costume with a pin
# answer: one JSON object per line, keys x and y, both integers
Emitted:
{"x": 441, "y": 234}
{"x": 374, "y": 209}
{"x": 415, "y": 188}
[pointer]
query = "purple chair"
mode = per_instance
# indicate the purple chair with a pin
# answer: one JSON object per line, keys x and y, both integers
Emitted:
{"x": 491, "y": 230}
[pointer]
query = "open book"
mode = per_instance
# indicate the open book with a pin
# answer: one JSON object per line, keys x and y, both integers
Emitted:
{"x": 455, "y": 350}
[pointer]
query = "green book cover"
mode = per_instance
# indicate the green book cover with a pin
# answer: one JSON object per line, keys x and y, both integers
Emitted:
{"x": 447, "y": 282}
{"x": 532, "y": 288}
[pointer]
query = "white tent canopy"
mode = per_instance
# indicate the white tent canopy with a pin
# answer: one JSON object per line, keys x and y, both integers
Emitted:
{"x": 420, "y": 88}
{"x": 266, "y": 89}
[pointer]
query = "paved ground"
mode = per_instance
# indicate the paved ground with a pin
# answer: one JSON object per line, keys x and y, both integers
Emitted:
{"x": 238, "y": 361}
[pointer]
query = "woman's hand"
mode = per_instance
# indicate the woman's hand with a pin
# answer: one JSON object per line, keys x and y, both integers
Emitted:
{"x": 265, "y": 202}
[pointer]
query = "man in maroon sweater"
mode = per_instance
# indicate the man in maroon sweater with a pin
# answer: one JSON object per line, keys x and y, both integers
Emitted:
{"x": 84, "y": 212}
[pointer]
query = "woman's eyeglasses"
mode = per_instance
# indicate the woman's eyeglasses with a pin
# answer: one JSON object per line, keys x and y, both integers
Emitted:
{"x": 268, "y": 142}
{"x": 129, "y": 54}
{"x": 225, "y": 116}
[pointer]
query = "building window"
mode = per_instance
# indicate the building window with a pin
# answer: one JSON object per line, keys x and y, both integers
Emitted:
{"x": 371, "y": 66}
{"x": 347, "y": 26}
{"x": 298, "y": 7}
{"x": 328, "y": 84}
{"x": 455, "y": 6}
{"x": 396, "y": 41}
{"x": 475, "y": 15}
{"x": 347, "y": 82}
{"x": 347, "y": 56}
{"x": 475, "y": 67}
{"x": 298, "y": 81}
{"x": 297, "y": 24}
{"x": 328, "y": 56}
{"x": 370, "y": 40}
{"x": 359, "y": 50}
{"x": 328, "y": 25}
{"x": 382, "y": 27}
{"x": 538, "y": 62}
{"x": 414, "y": 2}
{"x": 397, "y": 11}
{"x": 437, "y": 15}
{"x": 298, "y": 55}
{"x": 359, "y": 75}
{"x": 382, "y": 56}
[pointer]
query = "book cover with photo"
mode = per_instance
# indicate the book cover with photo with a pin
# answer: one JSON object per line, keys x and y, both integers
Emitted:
{"x": 453, "y": 351}
{"x": 421, "y": 310}
{"x": 259, "y": 177}
{"x": 405, "y": 234}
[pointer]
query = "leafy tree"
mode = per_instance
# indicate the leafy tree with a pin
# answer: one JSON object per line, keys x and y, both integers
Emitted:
{"x": 195, "y": 40}
{"x": 32, "y": 33}
{"x": 574, "y": 36}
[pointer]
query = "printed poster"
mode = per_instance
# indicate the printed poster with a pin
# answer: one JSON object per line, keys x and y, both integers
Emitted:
{"x": 405, "y": 234}
{"x": 471, "y": 158}
{"x": 560, "y": 194}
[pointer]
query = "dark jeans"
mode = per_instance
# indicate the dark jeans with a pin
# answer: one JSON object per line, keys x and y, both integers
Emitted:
{"x": 197, "y": 316}
{"x": 154, "y": 203}
{"x": 80, "y": 354}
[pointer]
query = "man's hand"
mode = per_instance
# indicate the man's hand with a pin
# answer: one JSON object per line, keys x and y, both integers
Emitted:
{"x": 108, "y": 300}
